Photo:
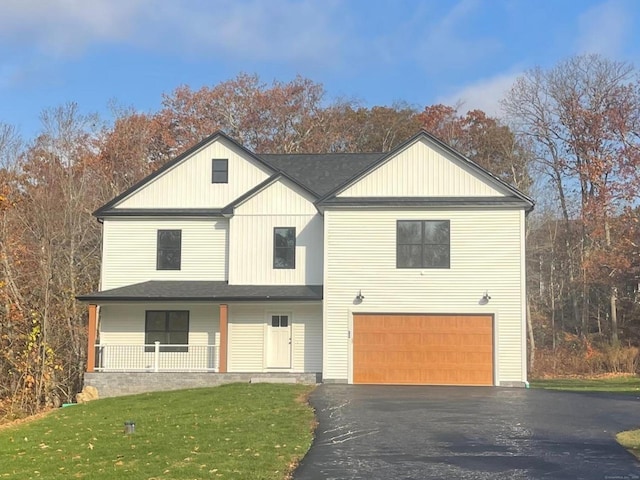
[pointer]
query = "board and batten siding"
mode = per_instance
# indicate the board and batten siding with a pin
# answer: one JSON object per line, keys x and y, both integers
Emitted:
{"x": 124, "y": 324}
{"x": 281, "y": 204}
{"x": 248, "y": 330}
{"x": 188, "y": 184}
{"x": 422, "y": 170}
{"x": 130, "y": 250}
{"x": 486, "y": 249}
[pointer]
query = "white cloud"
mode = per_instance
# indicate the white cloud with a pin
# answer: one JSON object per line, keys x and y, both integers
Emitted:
{"x": 448, "y": 45}
{"x": 65, "y": 27}
{"x": 278, "y": 30}
{"x": 484, "y": 94}
{"x": 604, "y": 28}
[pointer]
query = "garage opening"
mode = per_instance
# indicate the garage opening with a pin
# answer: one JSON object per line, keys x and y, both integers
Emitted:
{"x": 423, "y": 349}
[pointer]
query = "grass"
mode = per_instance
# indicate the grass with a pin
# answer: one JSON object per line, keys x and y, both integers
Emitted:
{"x": 238, "y": 431}
{"x": 631, "y": 441}
{"x": 629, "y": 384}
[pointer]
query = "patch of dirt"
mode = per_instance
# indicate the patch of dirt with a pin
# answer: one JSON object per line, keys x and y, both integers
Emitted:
{"x": 25, "y": 420}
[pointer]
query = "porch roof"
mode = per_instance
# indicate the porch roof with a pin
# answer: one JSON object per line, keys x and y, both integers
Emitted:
{"x": 175, "y": 290}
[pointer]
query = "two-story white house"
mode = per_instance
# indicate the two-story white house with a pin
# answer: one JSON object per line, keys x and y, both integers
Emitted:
{"x": 405, "y": 267}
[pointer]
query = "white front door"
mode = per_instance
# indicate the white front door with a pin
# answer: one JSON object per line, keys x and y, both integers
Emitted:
{"x": 279, "y": 341}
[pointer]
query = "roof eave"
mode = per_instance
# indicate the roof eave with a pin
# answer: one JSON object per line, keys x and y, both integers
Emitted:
{"x": 224, "y": 298}
{"x": 161, "y": 212}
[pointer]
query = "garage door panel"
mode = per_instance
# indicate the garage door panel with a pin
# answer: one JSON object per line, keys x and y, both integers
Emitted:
{"x": 423, "y": 349}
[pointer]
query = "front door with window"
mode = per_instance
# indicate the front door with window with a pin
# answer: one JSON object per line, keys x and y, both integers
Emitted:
{"x": 279, "y": 341}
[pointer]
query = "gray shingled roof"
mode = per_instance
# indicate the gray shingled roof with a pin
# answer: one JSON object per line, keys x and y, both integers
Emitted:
{"x": 322, "y": 172}
{"x": 204, "y": 290}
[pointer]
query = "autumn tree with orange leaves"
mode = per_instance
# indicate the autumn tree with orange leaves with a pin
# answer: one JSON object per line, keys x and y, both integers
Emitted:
{"x": 582, "y": 119}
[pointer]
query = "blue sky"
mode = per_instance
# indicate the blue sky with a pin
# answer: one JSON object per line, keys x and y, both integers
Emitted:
{"x": 377, "y": 51}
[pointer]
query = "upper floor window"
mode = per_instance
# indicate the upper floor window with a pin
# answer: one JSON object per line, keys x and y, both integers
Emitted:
{"x": 169, "y": 249}
{"x": 284, "y": 247}
{"x": 169, "y": 327}
{"x": 423, "y": 244}
{"x": 220, "y": 170}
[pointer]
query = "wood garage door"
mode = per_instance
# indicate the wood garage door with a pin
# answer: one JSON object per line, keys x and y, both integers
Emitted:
{"x": 423, "y": 349}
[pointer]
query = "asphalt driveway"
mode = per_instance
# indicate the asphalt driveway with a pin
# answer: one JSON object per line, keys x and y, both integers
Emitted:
{"x": 380, "y": 432}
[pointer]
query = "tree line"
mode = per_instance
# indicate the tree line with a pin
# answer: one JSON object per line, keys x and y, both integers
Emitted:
{"x": 569, "y": 138}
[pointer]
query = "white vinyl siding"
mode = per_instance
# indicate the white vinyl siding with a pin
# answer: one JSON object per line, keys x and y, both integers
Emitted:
{"x": 246, "y": 338}
{"x": 188, "y": 184}
{"x": 306, "y": 338}
{"x": 251, "y": 238}
{"x": 281, "y": 196}
{"x": 248, "y": 327}
{"x": 130, "y": 250}
{"x": 486, "y": 248}
{"x": 124, "y": 323}
{"x": 422, "y": 170}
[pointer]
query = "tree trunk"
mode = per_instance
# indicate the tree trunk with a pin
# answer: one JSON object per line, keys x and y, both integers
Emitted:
{"x": 614, "y": 315}
{"x": 613, "y": 297}
{"x": 532, "y": 341}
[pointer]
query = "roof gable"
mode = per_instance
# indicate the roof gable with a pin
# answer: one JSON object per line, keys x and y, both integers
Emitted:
{"x": 184, "y": 183}
{"x": 280, "y": 196}
{"x": 424, "y": 167}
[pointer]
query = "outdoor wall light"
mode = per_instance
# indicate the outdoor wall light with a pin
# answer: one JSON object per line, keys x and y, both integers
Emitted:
{"x": 486, "y": 297}
{"x": 359, "y": 296}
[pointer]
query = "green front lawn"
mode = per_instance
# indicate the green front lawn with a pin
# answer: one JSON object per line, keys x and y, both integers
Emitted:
{"x": 238, "y": 431}
{"x": 629, "y": 384}
{"x": 631, "y": 441}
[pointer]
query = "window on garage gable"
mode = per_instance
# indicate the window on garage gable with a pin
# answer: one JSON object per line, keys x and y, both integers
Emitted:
{"x": 423, "y": 244}
{"x": 169, "y": 327}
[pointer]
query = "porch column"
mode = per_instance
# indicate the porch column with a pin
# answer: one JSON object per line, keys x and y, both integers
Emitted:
{"x": 91, "y": 338}
{"x": 222, "y": 363}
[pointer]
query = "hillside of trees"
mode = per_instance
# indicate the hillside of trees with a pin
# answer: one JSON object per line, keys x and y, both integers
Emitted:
{"x": 570, "y": 138}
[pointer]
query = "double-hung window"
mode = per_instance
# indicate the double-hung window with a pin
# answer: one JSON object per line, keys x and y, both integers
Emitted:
{"x": 220, "y": 170}
{"x": 169, "y": 327}
{"x": 423, "y": 244}
{"x": 169, "y": 250}
{"x": 284, "y": 247}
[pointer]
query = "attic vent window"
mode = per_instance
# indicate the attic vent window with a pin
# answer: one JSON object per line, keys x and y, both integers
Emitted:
{"x": 220, "y": 170}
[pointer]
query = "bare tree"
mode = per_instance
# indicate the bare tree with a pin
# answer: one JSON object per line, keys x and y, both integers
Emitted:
{"x": 582, "y": 118}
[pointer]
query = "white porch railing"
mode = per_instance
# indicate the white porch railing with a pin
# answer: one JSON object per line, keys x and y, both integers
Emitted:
{"x": 157, "y": 358}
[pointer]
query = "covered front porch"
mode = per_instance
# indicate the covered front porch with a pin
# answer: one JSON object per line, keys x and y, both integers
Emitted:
{"x": 121, "y": 337}
{"x": 163, "y": 327}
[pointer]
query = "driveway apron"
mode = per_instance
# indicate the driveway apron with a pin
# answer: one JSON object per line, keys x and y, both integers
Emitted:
{"x": 393, "y": 432}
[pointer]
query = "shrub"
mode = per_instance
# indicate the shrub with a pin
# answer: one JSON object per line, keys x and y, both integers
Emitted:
{"x": 584, "y": 356}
